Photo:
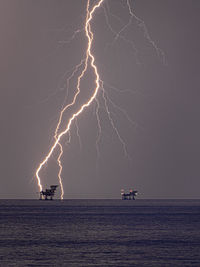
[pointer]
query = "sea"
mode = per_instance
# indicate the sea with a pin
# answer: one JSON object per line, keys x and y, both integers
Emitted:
{"x": 100, "y": 233}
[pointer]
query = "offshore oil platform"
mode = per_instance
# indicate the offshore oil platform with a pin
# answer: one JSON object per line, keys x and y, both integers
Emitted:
{"x": 128, "y": 196}
{"x": 48, "y": 194}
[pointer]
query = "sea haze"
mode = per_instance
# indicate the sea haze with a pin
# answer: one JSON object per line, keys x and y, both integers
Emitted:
{"x": 100, "y": 233}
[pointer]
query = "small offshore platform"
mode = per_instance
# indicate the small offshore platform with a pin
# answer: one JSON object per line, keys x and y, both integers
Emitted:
{"x": 48, "y": 194}
{"x": 129, "y": 196}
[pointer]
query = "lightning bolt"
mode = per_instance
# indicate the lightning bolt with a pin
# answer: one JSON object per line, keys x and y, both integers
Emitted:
{"x": 99, "y": 127}
{"x": 60, "y": 171}
{"x": 89, "y": 60}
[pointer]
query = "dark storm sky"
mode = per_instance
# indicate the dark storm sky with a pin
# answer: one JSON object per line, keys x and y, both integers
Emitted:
{"x": 164, "y": 103}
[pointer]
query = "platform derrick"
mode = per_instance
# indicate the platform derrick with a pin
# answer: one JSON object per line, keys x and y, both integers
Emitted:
{"x": 48, "y": 194}
{"x": 129, "y": 196}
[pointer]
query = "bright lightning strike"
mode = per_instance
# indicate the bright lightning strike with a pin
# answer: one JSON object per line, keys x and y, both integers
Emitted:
{"x": 90, "y": 59}
{"x": 60, "y": 170}
{"x": 88, "y": 62}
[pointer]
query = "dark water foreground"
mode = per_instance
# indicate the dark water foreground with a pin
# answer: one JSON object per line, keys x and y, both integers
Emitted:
{"x": 100, "y": 233}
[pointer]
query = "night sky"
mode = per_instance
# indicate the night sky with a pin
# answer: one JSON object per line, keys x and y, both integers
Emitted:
{"x": 159, "y": 92}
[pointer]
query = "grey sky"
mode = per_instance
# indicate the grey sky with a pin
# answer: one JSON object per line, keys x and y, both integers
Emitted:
{"x": 162, "y": 99}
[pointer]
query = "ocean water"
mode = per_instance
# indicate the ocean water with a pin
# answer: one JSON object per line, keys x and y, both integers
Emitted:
{"x": 100, "y": 233}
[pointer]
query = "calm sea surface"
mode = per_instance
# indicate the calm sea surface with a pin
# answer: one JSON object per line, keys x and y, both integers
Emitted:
{"x": 100, "y": 233}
